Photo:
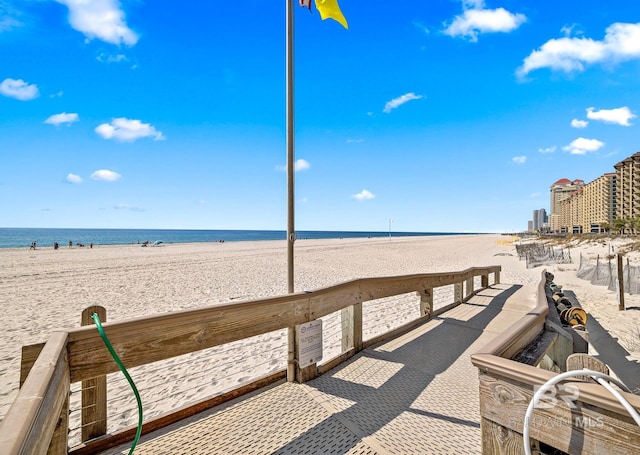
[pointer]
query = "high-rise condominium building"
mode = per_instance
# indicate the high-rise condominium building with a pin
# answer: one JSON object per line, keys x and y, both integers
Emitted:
{"x": 560, "y": 190}
{"x": 628, "y": 187}
{"x": 539, "y": 220}
{"x": 589, "y": 208}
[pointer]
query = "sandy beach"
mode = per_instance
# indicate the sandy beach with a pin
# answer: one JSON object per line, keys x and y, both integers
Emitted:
{"x": 46, "y": 290}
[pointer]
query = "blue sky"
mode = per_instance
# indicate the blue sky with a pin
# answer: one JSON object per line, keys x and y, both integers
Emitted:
{"x": 442, "y": 115}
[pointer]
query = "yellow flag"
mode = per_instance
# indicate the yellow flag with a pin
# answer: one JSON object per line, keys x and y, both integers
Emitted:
{"x": 329, "y": 9}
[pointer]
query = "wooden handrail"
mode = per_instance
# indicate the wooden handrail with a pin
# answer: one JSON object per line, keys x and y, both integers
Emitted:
{"x": 32, "y": 420}
{"x": 37, "y": 421}
{"x": 590, "y": 393}
{"x": 148, "y": 339}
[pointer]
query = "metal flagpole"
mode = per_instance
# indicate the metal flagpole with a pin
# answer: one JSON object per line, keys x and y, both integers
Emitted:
{"x": 291, "y": 233}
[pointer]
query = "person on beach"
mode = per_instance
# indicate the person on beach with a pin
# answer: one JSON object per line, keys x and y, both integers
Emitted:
{"x": 55, "y": 245}
{"x": 70, "y": 243}
{"x": 33, "y": 245}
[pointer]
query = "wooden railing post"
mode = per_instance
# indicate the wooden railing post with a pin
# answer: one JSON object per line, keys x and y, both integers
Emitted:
{"x": 346, "y": 318}
{"x": 457, "y": 293}
{"x": 469, "y": 290}
{"x": 620, "y": 284}
{"x": 352, "y": 328}
{"x": 426, "y": 303}
{"x": 496, "y": 277}
{"x": 292, "y": 356}
{"x": 29, "y": 356}
{"x": 94, "y": 391}
{"x": 484, "y": 281}
{"x": 295, "y": 373}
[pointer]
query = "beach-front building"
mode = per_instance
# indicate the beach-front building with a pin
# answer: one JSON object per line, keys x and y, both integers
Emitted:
{"x": 628, "y": 187}
{"x": 569, "y": 210}
{"x": 559, "y": 191}
{"x": 590, "y": 208}
{"x": 539, "y": 221}
{"x": 599, "y": 205}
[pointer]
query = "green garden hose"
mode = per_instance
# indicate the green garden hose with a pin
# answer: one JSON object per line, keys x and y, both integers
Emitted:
{"x": 107, "y": 343}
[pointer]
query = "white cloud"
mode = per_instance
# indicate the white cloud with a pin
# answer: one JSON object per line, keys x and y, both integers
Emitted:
{"x": 621, "y": 42}
{"x": 355, "y": 141}
{"x": 59, "y": 119}
{"x": 301, "y": 165}
{"x": 519, "y": 159}
{"x": 394, "y": 103}
{"x": 620, "y": 116}
{"x": 19, "y": 89}
{"x": 101, "y": 19}
{"x": 73, "y": 178}
{"x": 124, "y": 129}
{"x": 548, "y": 149}
{"x": 8, "y": 17}
{"x": 568, "y": 30}
{"x": 579, "y": 123}
{"x": 104, "y": 175}
{"x": 133, "y": 208}
{"x": 109, "y": 58}
{"x": 363, "y": 195}
{"x": 581, "y": 146}
{"x": 476, "y": 20}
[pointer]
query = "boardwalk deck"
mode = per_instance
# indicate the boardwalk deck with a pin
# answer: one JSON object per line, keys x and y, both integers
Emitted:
{"x": 417, "y": 393}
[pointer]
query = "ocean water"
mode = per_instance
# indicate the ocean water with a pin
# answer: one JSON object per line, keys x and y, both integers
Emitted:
{"x": 44, "y": 237}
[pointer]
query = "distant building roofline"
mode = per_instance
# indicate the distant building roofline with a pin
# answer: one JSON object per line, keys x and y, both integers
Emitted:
{"x": 565, "y": 181}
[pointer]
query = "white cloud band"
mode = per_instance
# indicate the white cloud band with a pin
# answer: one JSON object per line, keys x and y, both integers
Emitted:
{"x": 127, "y": 130}
{"x": 363, "y": 195}
{"x": 582, "y": 146}
{"x": 621, "y": 42}
{"x": 576, "y": 123}
{"x": 476, "y": 21}
{"x": 59, "y": 119}
{"x": 619, "y": 116}
{"x": 101, "y": 19}
{"x": 18, "y": 89}
{"x": 105, "y": 175}
{"x": 73, "y": 178}
{"x": 394, "y": 103}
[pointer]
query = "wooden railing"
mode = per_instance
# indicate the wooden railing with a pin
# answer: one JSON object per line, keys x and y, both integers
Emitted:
{"x": 588, "y": 420}
{"x": 37, "y": 421}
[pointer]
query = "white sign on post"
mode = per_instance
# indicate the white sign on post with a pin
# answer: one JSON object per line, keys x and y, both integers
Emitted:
{"x": 309, "y": 343}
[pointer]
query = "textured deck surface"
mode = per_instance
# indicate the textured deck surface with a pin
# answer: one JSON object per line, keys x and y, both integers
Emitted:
{"x": 417, "y": 393}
